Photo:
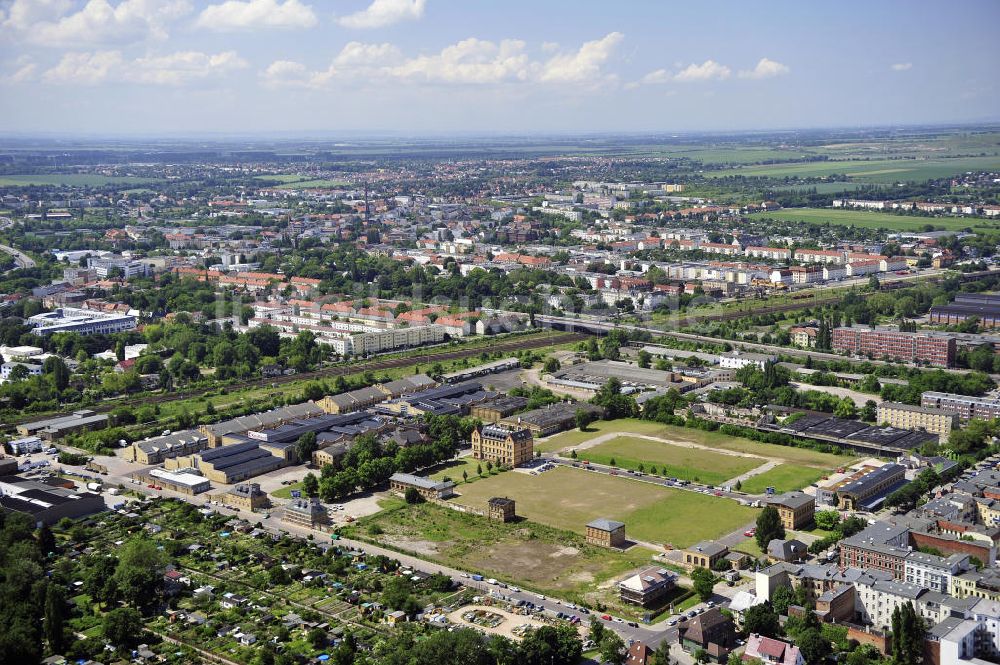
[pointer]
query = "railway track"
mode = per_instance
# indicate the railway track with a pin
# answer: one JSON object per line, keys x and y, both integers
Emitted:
{"x": 338, "y": 370}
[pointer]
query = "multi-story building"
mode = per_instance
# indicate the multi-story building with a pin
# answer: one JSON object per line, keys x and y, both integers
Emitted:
{"x": 740, "y": 359}
{"x": 932, "y": 571}
{"x": 25, "y": 445}
{"x": 796, "y": 509}
{"x": 986, "y": 408}
{"x": 247, "y": 496}
{"x": 909, "y": 416}
{"x": 647, "y": 588}
{"x": 80, "y": 321}
{"x": 881, "y": 546}
{"x": 937, "y": 350}
{"x": 770, "y": 651}
{"x": 507, "y": 447}
{"x": 606, "y": 533}
{"x": 157, "y": 449}
{"x": 819, "y": 256}
{"x": 773, "y": 253}
{"x": 305, "y": 512}
{"x": 120, "y": 267}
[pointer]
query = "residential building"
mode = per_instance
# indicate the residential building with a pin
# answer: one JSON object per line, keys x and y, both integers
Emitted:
{"x": 507, "y": 447}
{"x": 909, "y": 416}
{"x": 770, "y": 651}
{"x": 739, "y": 359}
{"x": 247, "y": 496}
{"x": 647, "y": 588}
{"x": 429, "y": 489}
{"x": 985, "y": 407}
{"x": 796, "y": 509}
{"x": 789, "y": 550}
{"x": 305, "y": 512}
{"x": 932, "y": 571}
{"x": 711, "y": 631}
{"x": 910, "y": 347}
{"x": 880, "y": 547}
{"x": 606, "y": 533}
{"x": 704, "y": 554}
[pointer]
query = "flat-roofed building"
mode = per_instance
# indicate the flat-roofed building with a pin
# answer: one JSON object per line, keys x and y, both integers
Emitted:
{"x": 796, "y": 509}
{"x": 25, "y": 445}
{"x": 44, "y": 503}
{"x": 52, "y": 428}
{"x": 606, "y": 533}
{"x": 648, "y": 587}
{"x": 505, "y": 446}
{"x": 229, "y": 464}
{"x": 184, "y": 481}
{"x": 159, "y": 448}
{"x": 933, "y": 349}
{"x": 236, "y": 427}
{"x": 909, "y": 416}
{"x": 552, "y": 418}
{"x": 968, "y": 407}
{"x": 427, "y": 488}
{"x": 81, "y": 321}
{"x": 497, "y": 409}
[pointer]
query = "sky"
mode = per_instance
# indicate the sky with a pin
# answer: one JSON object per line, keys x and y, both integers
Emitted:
{"x": 413, "y": 67}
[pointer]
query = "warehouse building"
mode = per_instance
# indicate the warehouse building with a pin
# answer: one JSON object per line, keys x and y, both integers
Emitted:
{"x": 53, "y": 428}
{"x": 985, "y": 307}
{"x": 552, "y": 418}
{"x": 159, "y": 448}
{"x": 456, "y": 399}
{"x": 235, "y": 428}
{"x": 184, "y": 481}
{"x": 429, "y": 489}
{"x": 46, "y": 504}
{"x": 481, "y": 370}
{"x": 232, "y": 463}
{"x": 500, "y": 407}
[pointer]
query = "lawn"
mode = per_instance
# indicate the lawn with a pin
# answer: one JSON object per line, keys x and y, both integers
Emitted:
{"x": 454, "y": 469}
{"x": 568, "y": 498}
{"x": 869, "y": 219}
{"x": 874, "y": 170}
{"x": 804, "y": 456}
{"x": 286, "y": 491}
{"x": 783, "y": 478}
{"x": 675, "y": 461}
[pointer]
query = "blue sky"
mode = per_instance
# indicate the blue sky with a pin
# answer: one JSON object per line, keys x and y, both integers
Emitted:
{"x": 507, "y": 66}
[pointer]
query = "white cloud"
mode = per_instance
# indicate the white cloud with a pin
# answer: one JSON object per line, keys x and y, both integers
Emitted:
{"x": 765, "y": 69}
{"x": 381, "y": 13}
{"x": 585, "y": 64}
{"x": 902, "y": 66}
{"x": 51, "y": 23}
{"x": 84, "y": 68}
{"x": 177, "y": 68}
{"x": 706, "y": 71}
{"x": 249, "y": 14}
{"x": 24, "y": 72}
{"x": 469, "y": 61}
{"x": 285, "y": 73}
{"x": 657, "y": 76}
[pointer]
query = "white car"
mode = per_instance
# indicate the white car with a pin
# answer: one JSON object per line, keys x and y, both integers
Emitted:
{"x": 515, "y": 589}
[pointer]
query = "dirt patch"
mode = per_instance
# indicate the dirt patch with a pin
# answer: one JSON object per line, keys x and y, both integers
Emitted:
{"x": 533, "y": 562}
{"x": 565, "y": 551}
{"x": 417, "y": 546}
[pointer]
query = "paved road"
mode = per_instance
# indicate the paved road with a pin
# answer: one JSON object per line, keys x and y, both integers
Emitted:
{"x": 20, "y": 258}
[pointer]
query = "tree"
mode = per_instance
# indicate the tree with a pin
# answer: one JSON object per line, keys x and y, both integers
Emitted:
{"x": 908, "y": 632}
{"x": 782, "y": 597}
{"x": 139, "y": 573}
{"x": 703, "y": 583}
{"x": 827, "y": 519}
{"x": 57, "y": 371}
{"x": 846, "y": 409}
{"x": 597, "y": 630}
{"x": 46, "y": 541}
{"x": 869, "y": 412}
{"x": 612, "y": 649}
{"x": 55, "y": 615}
{"x": 306, "y": 446}
{"x": 583, "y": 419}
{"x": 412, "y": 496}
{"x": 310, "y": 485}
{"x": 645, "y": 357}
{"x": 761, "y": 619}
{"x": 769, "y": 527}
{"x": 551, "y": 365}
{"x": 317, "y": 638}
{"x": 122, "y": 627}
{"x": 813, "y": 646}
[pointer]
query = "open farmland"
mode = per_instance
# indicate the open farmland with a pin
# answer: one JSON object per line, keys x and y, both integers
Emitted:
{"x": 675, "y": 461}
{"x": 70, "y": 180}
{"x": 568, "y": 498}
{"x": 874, "y": 170}
{"x": 871, "y": 220}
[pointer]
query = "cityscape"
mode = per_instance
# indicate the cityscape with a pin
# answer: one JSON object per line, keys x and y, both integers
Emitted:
{"x": 413, "y": 332}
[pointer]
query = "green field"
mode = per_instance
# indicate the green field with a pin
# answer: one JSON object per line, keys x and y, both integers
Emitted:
{"x": 871, "y": 219}
{"x": 804, "y": 456}
{"x": 454, "y": 469}
{"x": 783, "y": 478}
{"x": 70, "y": 180}
{"x": 873, "y": 170}
{"x": 674, "y": 461}
{"x": 314, "y": 184}
{"x": 567, "y": 498}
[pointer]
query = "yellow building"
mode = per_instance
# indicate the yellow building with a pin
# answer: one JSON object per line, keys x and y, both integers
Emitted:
{"x": 247, "y": 496}
{"x": 507, "y": 447}
{"x": 796, "y": 509}
{"x": 606, "y": 533}
{"x": 909, "y": 416}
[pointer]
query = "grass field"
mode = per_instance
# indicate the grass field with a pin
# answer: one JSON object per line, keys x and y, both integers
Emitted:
{"x": 675, "y": 461}
{"x": 783, "y": 478}
{"x": 455, "y": 468}
{"x": 567, "y": 498}
{"x": 802, "y": 456}
{"x": 70, "y": 180}
{"x": 874, "y": 170}
{"x": 530, "y": 554}
{"x": 314, "y": 184}
{"x": 870, "y": 219}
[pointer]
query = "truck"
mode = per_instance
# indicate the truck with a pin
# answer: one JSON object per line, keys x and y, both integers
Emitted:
{"x": 94, "y": 487}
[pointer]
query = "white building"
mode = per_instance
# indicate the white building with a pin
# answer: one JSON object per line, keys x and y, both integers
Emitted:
{"x": 933, "y": 572}
{"x": 83, "y": 321}
{"x": 740, "y": 359}
{"x": 29, "y": 444}
{"x": 121, "y": 267}
{"x": 8, "y": 368}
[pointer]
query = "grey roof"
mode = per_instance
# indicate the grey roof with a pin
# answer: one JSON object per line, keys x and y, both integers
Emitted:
{"x": 605, "y": 524}
{"x": 421, "y": 481}
{"x": 793, "y": 500}
{"x": 708, "y": 547}
{"x": 786, "y": 549}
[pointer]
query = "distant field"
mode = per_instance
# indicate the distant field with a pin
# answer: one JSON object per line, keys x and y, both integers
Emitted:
{"x": 803, "y": 456}
{"x": 70, "y": 180}
{"x": 313, "y": 184}
{"x": 673, "y": 461}
{"x": 822, "y": 187}
{"x": 567, "y": 498}
{"x": 783, "y": 478}
{"x": 870, "y": 219}
{"x": 736, "y": 155}
{"x": 875, "y": 170}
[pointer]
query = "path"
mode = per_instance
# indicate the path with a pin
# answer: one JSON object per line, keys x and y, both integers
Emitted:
{"x": 756, "y": 471}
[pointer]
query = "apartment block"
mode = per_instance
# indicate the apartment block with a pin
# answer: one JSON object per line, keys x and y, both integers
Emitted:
{"x": 967, "y": 407}
{"x": 508, "y": 447}
{"x": 936, "y": 350}
{"x": 908, "y": 416}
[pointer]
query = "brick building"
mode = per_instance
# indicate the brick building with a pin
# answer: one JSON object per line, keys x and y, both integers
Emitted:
{"x": 508, "y": 447}
{"x": 606, "y": 533}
